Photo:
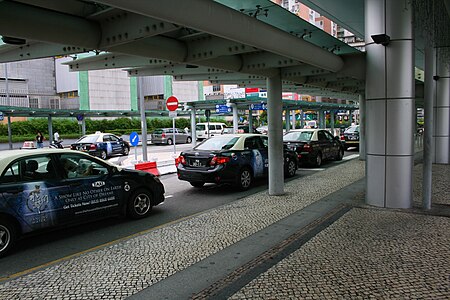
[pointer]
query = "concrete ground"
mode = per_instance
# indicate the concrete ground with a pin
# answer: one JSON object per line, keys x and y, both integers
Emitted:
{"x": 318, "y": 241}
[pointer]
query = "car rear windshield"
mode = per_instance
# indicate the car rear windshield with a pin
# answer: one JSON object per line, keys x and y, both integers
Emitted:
{"x": 200, "y": 127}
{"x": 88, "y": 139}
{"x": 218, "y": 143}
{"x": 158, "y": 131}
{"x": 298, "y": 136}
{"x": 353, "y": 129}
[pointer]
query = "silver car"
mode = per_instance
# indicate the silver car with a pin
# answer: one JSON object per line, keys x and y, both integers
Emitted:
{"x": 166, "y": 136}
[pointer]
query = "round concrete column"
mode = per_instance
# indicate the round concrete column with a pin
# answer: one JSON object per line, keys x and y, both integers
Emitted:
{"x": 293, "y": 119}
{"x": 389, "y": 103}
{"x": 362, "y": 127}
{"x": 193, "y": 131}
{"x": 287, "y": 117}
{"x": 275, "y": 121}
{"x": 441, "y": 134}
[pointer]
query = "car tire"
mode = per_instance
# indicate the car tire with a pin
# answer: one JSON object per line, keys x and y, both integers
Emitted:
{"x": 140, "y": 204}
{"x": 188, "y": 140}
{"x": 169, "y": 142}
{"x": 318, "y": 159}
{"x": 340, "y": 154}
{"x": 126, "y": 151}
{"x": 8, "y": 236}
{"x": 244, "y": 179}
{"x": 197, "y": 184}
{"x": 291, "y": 168}
{"x": 103, "y": 154}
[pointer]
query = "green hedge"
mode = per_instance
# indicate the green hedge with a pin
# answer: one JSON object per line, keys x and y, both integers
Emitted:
{"x": 26, "y": 130}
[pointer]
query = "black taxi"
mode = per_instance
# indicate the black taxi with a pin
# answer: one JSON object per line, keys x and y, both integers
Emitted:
{"x": 231, "y": 158}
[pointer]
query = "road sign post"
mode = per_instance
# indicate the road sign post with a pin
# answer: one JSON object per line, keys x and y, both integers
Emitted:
{"x": 172, "y": 105}
{"x": 134, "y": 140}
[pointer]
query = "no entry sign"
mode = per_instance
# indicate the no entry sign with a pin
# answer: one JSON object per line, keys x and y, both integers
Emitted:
{"x": 172, "y": 103}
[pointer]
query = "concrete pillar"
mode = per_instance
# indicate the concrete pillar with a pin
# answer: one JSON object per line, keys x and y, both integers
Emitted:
{"x": 83, "y": 126}
{"x": 321, "y": 119}
{"x": 287, "y": 116}
{"x": 390, "y": 101}
{"x": 332, "y": 112}
{"x": 250, "y": 120}
{"x": 193, "y": 124}
{"x": 441, "y": 134}
{"x": 302, "y": 118}
{"x": 362, "y": 127}
{"x": 50, "y": 129}
{"x": 143, "y": 118}
{"x": 9, "y": 133}
{"x": 294, "y": 119}
{"x": 274, "y": 120}
{"x": 235, "y": 117}
{"x": 428, "y": 145}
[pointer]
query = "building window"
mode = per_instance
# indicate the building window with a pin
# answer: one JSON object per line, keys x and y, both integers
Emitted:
{"x": 34, "y": 103}
{"x": 154, "y": 97}
{"x": 54, "y": 104}
{"x": 216, "y": 88}
{"x": 70, "y": 94}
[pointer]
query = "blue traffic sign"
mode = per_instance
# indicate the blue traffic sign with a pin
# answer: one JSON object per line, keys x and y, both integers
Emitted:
{"x": 80, "y": 117}
{"x": 2, "y": 117}
{"x": 222, "y": 109}
{"x": 258, "y": 106}
{"x": 134, "y": 138}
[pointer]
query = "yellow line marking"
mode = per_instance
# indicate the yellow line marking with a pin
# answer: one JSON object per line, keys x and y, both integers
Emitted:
{"x": 31, "y": 270}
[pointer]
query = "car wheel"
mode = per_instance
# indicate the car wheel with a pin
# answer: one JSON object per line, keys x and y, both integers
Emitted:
{"x": 103, "y": 155}
{"x": 291, "y": 168}
{"x": 126, "y": 151}
{"x": 140, "y": 204}
{"x": 8, "y": 236}
{"x": 244, "y": 179}
{"x": 189, "y": 140}
{"x": 340, "y": 154}
{"x": 318, "y": 159}
{"x": 169, "y": 142}
{"x": 197, "y": 184}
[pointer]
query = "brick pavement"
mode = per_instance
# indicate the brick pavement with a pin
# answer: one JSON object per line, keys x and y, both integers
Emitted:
{"x": 364, "y": 253}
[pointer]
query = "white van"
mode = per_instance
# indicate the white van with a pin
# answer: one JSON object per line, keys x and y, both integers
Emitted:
{"x": 214, "y": 129}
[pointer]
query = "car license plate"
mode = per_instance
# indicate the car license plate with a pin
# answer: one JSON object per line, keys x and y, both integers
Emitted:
{"x": 197, "y": 163}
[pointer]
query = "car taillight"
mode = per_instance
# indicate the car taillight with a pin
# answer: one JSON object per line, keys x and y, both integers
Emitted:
{"x": 342, "y": 138}
{"x": 92, "y": 147}
{"x": 219, "y": 160}
{"x": 163, "y": 135}
{"x": 180, "y": 160}
{"x": 72, "y": 147}
{"x": 307, "y": 148}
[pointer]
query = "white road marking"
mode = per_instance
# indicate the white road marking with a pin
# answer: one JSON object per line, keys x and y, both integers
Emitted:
{"x": 168, "y": 196}
{"x": 350, "y": 156}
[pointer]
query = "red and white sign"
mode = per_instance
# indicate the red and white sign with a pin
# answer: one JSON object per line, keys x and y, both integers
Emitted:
{"x": 172, "y": 103}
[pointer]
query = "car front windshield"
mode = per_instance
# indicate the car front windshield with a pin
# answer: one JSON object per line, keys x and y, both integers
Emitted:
{"x": 298, "y": 136}
{"x": 88, "y": 139}
{"x": 352, "y": 129}
{"x": 218, "y": 143}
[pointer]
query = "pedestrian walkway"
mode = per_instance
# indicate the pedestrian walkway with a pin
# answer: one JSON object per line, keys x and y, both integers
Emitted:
{"x": 317, "y": 241}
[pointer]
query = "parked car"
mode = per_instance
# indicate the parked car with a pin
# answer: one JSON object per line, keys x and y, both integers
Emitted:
{"x": 165, "y": 136}
{"x": 102, "y": 145}
{"x": 206, "y": 130}
{"x": 232, "y": 158}
{"x": 350, "y": 137}
{"x": 313, "y": 146}
{"x": 47, "y": 188}
{"x": 263, "y": 129}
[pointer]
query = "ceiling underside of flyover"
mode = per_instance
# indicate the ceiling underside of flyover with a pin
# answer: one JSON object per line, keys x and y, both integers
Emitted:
{"x": 224, "y": 41}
